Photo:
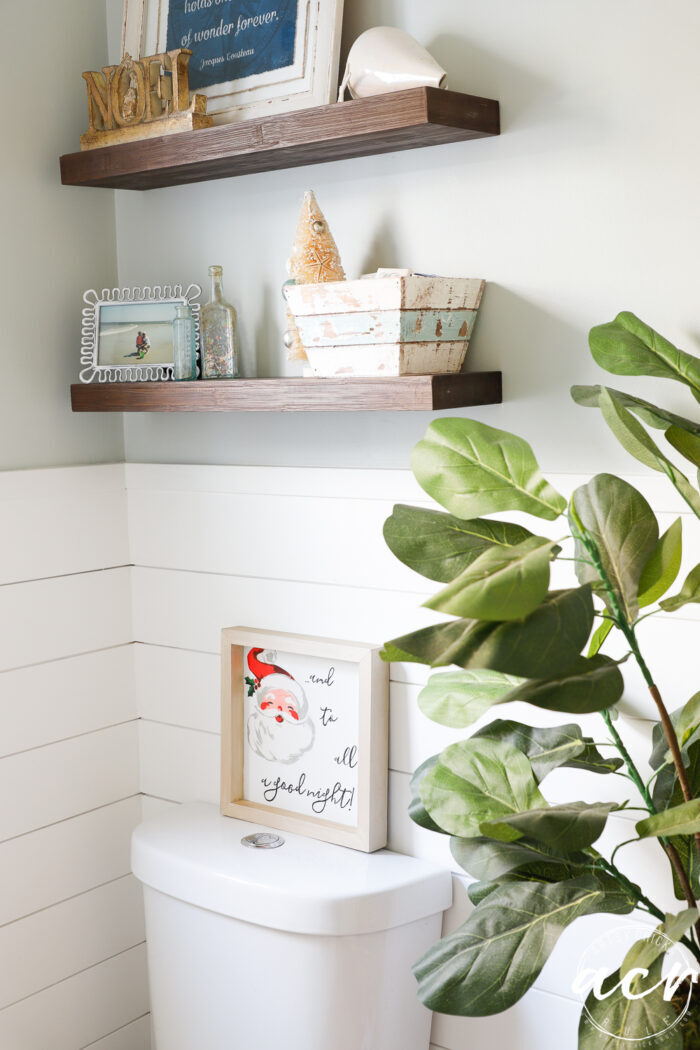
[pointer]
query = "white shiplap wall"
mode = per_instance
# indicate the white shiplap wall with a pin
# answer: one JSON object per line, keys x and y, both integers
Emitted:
{"x": 72, "y": 961}
{"x": 301, "y": 550}
{"x": 201, "y": 548}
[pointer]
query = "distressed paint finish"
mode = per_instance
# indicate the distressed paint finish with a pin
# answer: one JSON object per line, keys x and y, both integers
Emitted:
{"x": 386, "y": 293}
{"x": 386, "y": 326}
{"x": 388, "y": 359}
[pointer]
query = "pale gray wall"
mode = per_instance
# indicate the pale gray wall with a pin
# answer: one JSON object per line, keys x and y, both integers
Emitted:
{"x": 55, "y": 241}
{"x": 586, "y": 205}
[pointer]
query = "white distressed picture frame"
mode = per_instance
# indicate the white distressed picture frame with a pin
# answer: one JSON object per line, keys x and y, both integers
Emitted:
{"x": 312, "y": 80}
{"x": 370, "y": 830}
{"x": 91, "y": 368}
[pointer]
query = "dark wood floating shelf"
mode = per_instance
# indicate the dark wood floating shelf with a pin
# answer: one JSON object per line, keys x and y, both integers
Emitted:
{"x": 382, "y": 124}
{"x": 358, "y": 394}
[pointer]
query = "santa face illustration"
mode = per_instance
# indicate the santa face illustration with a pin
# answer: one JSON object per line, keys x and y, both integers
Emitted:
{"x": 279, "y": 727}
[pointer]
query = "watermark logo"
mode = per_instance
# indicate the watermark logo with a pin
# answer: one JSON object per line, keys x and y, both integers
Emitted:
{"x": 601, "y": 989}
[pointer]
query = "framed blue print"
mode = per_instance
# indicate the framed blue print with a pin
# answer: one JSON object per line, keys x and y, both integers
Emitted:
{"x": 249, "y": 57}
{"x": 234, "y": 39}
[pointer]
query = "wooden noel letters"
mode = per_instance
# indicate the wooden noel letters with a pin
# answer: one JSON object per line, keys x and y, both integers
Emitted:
{"x": 142, "y": 99}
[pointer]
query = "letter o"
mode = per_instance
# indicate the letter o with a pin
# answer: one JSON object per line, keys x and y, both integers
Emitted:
{"x": 118, "y": 97}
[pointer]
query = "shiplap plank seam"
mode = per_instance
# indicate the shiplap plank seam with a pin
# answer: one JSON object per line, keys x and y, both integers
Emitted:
{"x": 64, "y": 900}
{"x": 71, "y": 656}
{"x": 73, "y": 816}
{"x": 122, "y": 1028}
{"x": 73, "y": 1011}
{"x": 81, "y": 853}
{"x": 70, "y": 976}
{"x": 73, "y": 736}
{"x": 66, "y": 575}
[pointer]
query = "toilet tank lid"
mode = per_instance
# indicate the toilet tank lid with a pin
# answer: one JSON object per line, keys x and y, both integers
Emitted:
{"x": 196, "y": 855}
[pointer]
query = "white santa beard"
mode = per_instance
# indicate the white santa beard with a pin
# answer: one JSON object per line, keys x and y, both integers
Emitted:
{"x": 283, "y": 742}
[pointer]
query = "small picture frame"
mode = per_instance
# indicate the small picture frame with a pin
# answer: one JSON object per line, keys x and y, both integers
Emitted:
{"x": 304, "y": 736}
{"x": 127, "y": 333}
{"x": 250, "y": 58}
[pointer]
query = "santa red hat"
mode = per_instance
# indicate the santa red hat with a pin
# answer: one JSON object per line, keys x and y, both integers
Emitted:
{"x": 290, "y": 685}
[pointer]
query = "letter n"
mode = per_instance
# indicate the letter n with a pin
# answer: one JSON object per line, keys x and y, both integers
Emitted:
{"x": 99, "y": 100}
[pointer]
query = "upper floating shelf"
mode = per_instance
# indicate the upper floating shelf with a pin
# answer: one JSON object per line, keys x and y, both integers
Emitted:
{"x": 381, "y": 124}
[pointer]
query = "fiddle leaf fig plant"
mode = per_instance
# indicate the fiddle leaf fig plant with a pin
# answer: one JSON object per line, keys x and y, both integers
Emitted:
{"x": 512, "y": 635}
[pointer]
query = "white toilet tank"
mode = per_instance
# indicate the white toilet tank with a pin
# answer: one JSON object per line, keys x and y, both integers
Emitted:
{"x": 308, "y": 946}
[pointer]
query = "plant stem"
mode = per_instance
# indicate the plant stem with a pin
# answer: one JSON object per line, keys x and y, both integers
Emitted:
{"x": 636, "y": 892}
{"x": 666, "y": 722}
{"x": 634, "y": 774}
{"x": 627, "y": 629}
{"x": 668, "y": 847}
{"x": 631, "y": 887}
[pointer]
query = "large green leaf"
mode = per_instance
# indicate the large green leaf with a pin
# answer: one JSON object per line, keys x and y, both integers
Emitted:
{"x": 502, "y": 584}
{"x": 687, "y": 720}
{"x": 629, "y": 431}
{"x": 546, "y": 748}
{"x": 634, "y": 438}
{"x": 592, "y": 760}
{"x": 428, "y": 645}
{"x": 545, "y": 643}
{"x": 663, "y": 566}
{"x": 644, "y": 953}
{"x": 458, "y": 698}
{"x": 550, "y": 748}
{"x": 476, "y": 780}
{"x": 599, "y": 636}
{"x": 473, "y": 469}
{"x": 660, "y": 418}
{"x": 569, "y": 826}
{"x": 687, "y": 444}
{"x": 486, "y": 859}
{"x": 496, "y": 956}
{"x": 678, "y": 820}
{"x": 416, "y": 810}
{"x": 618, "y": 1022}
{"x": 689, "y": 592}
{"x": 660, "y": 752}
{"x": 479, "y": 891}
{"x": 621, "y": 901}
{"x": 587, "y": 685}
{"x": 667, "y": 791}
{"x": 687, "y": 851}
{"x": 440, "y": 546}
{"x": 625, "y": 531}
{"x": 629, "y": 347}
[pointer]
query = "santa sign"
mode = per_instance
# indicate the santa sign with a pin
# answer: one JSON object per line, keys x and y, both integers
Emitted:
{"x": 304, "y": 736}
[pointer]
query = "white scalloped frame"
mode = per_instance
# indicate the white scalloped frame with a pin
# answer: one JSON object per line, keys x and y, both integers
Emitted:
{"x": 91, "y": 370}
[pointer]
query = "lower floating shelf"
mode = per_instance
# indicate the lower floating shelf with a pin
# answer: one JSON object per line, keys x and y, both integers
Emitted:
{"x": 356, "y": 394}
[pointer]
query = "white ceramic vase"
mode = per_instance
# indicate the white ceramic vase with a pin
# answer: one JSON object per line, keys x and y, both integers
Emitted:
{"x": 387, "y": 59}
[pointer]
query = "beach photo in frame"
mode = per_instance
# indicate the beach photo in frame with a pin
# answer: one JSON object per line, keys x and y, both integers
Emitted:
{"x": 127, "y": 333}
{"x": 304, "y": 735}
{"x": 250, "y": 58}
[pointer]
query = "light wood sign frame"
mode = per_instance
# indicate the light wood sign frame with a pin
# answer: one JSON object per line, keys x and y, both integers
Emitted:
{"x": 304, "y": 733}
{"x": 308, "y": 76}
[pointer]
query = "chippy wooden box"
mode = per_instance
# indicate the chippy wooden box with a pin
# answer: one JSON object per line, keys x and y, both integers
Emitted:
{"x": 386, "y": 326}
